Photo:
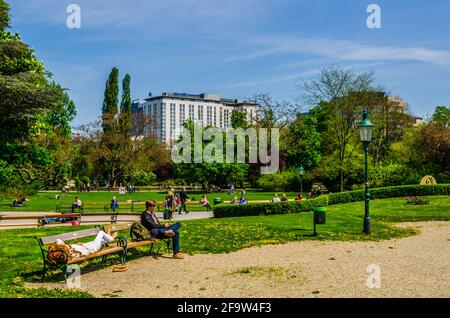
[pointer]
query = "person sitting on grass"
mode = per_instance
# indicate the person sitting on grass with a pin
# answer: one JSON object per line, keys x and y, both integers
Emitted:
{"x": 284, "y": 198}
{"x": 234, "y": 201}
{"x": 243, "y": 200}
{"x": 160, "y": 231}
{"x": 276, "y": 198}
{"x": 299, "y": 197}
{"x": 205, "y": 203}
{"x": 18, "y": 203}
{"x": 85, "y": 249}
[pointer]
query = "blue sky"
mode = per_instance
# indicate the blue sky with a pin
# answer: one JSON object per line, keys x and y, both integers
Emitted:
{"x": 238, "y": 48}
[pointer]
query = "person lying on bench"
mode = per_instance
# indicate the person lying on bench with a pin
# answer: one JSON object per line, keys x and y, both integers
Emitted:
{"x": 45, "y": 220}
{"x": 85, "y": 249}
{"x": 160, "y": 231}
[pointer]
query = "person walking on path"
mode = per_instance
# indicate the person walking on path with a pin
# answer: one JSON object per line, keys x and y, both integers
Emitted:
{"x": 183, "y": 198}
{"x": 114, "y": 204}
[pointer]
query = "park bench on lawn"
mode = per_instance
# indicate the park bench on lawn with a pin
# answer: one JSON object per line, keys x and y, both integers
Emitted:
{"x": 34, "y": 218}
{"x": 93, "y": 206}
{"x": 132, "y": 242}
{"x": 119, "y": 246}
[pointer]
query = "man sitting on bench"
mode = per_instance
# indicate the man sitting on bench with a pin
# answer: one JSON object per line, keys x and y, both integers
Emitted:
{"x": 76, "y": 204}
{"x": 160, "y": 231}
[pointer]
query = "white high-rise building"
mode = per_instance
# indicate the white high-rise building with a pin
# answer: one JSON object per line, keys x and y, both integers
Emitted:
{"x": 171, "y": 110}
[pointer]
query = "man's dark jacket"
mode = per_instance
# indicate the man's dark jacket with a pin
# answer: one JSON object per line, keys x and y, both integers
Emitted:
{"x": 151, "y": 224}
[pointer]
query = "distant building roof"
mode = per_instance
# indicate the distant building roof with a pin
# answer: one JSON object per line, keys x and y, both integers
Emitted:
{"x": 207, "y": 97}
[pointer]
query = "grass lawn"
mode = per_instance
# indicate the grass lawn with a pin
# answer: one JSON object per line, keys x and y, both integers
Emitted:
{"x": 20, "y": 255}
{"x": 46, "y": 202}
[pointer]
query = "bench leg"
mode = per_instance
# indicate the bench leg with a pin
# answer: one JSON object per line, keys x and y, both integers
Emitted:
{"x": 168, "y": 242}
{"x": 64, "y": 269}
{"x": 151, "y": 248}
{"x": 123, "y": 256}
{"x": 44, "y": 272}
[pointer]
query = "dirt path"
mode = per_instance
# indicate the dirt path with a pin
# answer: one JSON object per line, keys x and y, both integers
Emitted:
{"x": 417, "y": 266}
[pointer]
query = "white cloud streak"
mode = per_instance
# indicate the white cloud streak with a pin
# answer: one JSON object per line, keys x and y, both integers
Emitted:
{"x": 342, "y": 50}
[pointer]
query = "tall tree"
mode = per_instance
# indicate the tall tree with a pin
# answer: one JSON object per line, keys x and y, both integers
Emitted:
{"x": 345, "y": 93}
{"x": 34, "y": 115}
{"x": 4, "y": 15}
{"x": 111, "y": 98}
{"x": 125, "y": 106}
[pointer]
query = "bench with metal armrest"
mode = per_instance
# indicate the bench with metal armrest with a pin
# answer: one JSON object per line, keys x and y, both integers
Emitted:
{"x": 119, "y": 246}
{"x": 133, "y": 242}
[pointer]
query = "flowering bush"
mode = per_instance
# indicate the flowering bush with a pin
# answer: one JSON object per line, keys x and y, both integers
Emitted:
{"x": 417, "y": 200}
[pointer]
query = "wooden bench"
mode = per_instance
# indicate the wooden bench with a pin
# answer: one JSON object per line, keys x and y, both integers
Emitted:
{"x": 133, "y": 242}
{"x": 44, "y": 242}
{"x": 94, "y": 206}
{"x": 36, "y": 218}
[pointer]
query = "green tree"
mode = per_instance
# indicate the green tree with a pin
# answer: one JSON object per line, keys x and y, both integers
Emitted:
{"x": 111, "y": 98}
{"x": 34, "y": 115}
{"x": 125, "y": 106}
{"x": 441, "y": 116}
{"x": 343, "y": 94}
{"x": 302, "y": 143}
{"x": 4, "y": 15}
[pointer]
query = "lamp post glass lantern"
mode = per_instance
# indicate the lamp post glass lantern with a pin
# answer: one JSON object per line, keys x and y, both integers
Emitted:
{"x": 301, "y": 171}
{"x": 365, "y": 133}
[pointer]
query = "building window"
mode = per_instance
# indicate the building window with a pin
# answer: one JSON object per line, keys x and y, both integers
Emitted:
{"x": 209, "y": 115}
{"x": 191, "y": 112}
{"x": 182, "y": 114}
{"x": 215, "y": 117}
{"x": 172, "y": 121}
{"x": 225, "y": 118}
{"x": 200, "y": 115}
{"x": 221, "y": 117}
{"x": 163, "y": 122}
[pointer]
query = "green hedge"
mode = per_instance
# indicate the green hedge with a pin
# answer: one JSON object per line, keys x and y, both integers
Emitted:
{"x": 389, "y": 192}
{"x": 269, "y": 208}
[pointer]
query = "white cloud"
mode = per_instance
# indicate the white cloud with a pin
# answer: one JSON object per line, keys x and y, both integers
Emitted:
{"x": 341, "y": 50}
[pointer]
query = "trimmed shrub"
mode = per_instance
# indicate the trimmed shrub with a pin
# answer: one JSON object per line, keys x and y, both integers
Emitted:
{"x": 281, "y": 181}
{"x": 389, "y": 192}
{"x": 270, "y": 208}
{"x": 393, "y": 175}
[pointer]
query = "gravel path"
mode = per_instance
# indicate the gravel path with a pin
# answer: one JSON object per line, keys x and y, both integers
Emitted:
{"x": 417, "y": 266}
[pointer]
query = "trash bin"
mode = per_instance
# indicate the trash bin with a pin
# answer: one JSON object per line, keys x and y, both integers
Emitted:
{"x": 217, "y": 201}
{"x": 320, "y": 216}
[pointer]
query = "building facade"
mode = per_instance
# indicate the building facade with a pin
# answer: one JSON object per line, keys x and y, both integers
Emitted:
{"x": 170, "y": 111}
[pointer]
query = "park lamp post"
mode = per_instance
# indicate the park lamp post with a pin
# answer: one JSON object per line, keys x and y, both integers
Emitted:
{"x": 365, "y": 133}
{"x": 301, "y": 171}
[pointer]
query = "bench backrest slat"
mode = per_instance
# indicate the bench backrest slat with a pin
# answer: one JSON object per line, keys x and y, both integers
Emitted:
{"x": 118, "y": 227}
{"x": 69, "y": 236}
